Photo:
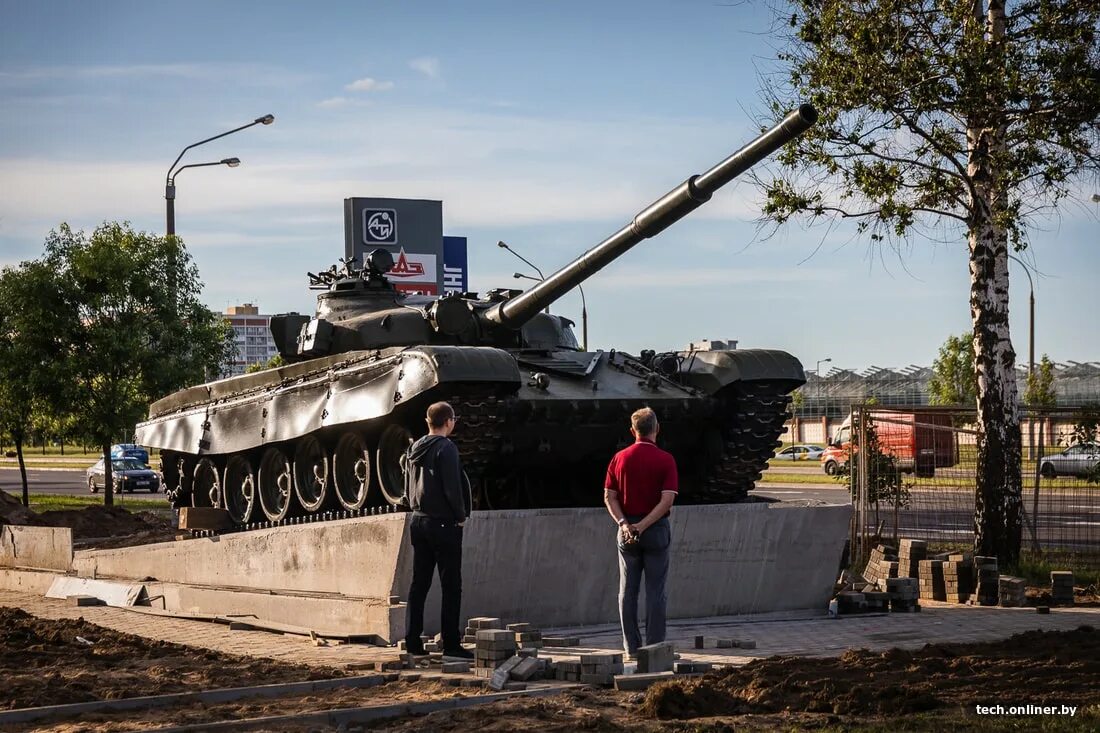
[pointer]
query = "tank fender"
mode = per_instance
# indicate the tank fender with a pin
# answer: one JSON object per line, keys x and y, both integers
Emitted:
{"x": 710, "y": 371}
{"x": 347, "y": 393}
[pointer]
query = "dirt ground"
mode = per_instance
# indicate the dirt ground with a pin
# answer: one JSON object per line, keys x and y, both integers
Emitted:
{"x": 93, "y": 526}
{"x": 42, "y": 662}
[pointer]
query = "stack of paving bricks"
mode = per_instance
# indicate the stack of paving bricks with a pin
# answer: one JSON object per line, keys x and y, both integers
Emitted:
{"x": 903, "y": 593}
{"x": 910, "y": 553}
{"x": 476, "y": 624}
{"x": 592, "y": 669}
{"x": 882, "y": 564}
{"x": 1013, "y": 591}
{"x": 495, "y": 646}
{"x": 930, "y": 575}
{"x": 1061, "y": 587}
{"x": 526, "y": 637}
{"x": 958, "y": 577}
{"x": 989, "y": 579}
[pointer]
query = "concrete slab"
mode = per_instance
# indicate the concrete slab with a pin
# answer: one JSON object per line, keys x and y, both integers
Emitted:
{"x": 110, "y": 592}
{"x": 352, "y": 557}
{"x": 45, "y": 548}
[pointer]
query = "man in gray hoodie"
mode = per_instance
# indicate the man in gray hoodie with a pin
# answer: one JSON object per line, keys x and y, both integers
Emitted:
{"x": 440, "y": 504}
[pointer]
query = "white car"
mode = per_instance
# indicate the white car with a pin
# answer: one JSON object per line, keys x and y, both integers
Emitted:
{"x": 799, "y": 453}
{"x": 1077, "y": 460}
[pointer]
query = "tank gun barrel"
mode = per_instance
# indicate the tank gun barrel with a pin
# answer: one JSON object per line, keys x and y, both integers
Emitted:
{"x": 655, "y": 218}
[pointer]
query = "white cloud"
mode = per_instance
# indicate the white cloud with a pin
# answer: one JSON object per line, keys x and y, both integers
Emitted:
{"x": 426, "y": 65}
{"x": 334, "y": 102}
{"x": 368, "y": 84}
{"x": 256, "y": 74}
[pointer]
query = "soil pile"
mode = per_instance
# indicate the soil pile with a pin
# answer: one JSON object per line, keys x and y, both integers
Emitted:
{"x": 110, "y": 526}
{"x": 12, "y": 511}
{"x": 1037, "y": 665}
{"x": 42, "y": 662}
{"x": 93, "y": 526}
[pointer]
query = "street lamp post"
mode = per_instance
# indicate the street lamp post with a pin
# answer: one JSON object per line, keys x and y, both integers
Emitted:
{"x": 584, "y": 307}
{"x": 504, "y": 245}
{"x": 1030, "y": 349}
{"x": 169, "y": 185}
{"x": 817, "y": 371}
{"x": 170, "y": 188}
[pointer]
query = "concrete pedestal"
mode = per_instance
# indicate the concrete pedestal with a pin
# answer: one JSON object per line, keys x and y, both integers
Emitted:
{"x": 549, "y": 567}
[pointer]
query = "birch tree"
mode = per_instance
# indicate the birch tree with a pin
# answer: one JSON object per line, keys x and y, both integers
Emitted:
{"x": 958, "y": 120}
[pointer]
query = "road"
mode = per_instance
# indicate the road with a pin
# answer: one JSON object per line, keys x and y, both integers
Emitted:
{"x": 45, "y": 481}
{"x": 1068, "y": 516}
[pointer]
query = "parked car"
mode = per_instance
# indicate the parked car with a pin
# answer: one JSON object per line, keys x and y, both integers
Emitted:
{"x": 129, "y": 475}
{"x": 129, "y": 450}
{"x": 799, "y": 453}
{"x": 1082, "y": 459}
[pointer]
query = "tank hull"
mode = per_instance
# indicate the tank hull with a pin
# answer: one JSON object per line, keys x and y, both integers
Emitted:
{"x": 535, "y": 428}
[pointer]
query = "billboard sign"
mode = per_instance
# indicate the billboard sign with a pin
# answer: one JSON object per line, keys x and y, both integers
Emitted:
{"x": 455, "y": 272}
{"x": 409, "y": 229}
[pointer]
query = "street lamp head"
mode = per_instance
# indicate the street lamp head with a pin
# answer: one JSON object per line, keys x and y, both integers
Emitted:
{"x": 266, "y": 119}
{"x": 517, "y": 275}
{"x": 232, "y": 162}
{"x": 502, "y": 244}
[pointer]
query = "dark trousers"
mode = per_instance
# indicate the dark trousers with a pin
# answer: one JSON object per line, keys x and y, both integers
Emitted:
{"x": 649, "y": 557}
{"x": 435, "y": 544}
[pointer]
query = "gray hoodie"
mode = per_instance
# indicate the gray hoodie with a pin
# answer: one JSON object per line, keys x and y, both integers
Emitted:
{"x": 433, "y": 479}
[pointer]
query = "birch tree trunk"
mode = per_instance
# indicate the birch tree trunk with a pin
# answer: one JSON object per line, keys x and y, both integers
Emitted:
{"x": 997, "y": 502}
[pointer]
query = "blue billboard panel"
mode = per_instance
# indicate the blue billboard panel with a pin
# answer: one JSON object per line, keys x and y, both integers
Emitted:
{"x": 455, "y": 269}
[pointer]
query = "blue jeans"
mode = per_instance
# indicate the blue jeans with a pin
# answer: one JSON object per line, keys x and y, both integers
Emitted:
{"x": 648, "y": 556}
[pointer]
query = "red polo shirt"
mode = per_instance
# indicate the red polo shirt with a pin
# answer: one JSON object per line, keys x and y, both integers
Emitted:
{"x": 640, "y": 473}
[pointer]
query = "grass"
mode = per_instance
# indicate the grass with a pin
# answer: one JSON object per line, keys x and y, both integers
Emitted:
{"x": 54, "y": 502}
{"x": 1036, "y": 570}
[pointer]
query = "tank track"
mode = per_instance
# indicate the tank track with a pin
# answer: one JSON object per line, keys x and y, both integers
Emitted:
{"x": 757, "y": 413}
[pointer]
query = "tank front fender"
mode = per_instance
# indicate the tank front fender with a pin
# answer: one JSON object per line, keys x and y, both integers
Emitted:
{"x": 711, "y": 371}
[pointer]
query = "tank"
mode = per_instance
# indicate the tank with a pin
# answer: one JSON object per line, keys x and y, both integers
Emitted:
{"x": 538, "y": 417}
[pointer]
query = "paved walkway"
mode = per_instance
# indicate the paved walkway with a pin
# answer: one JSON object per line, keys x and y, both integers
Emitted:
{"x": 801, "y": 634}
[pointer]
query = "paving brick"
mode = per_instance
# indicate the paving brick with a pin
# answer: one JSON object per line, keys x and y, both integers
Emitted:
{"x": 656, "y": 657}
{"x": 496, "y": 635}
{"x": 525, "y": 670}
{"x": 640, "y": 681}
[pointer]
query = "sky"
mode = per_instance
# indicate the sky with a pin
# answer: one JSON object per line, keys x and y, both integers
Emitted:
{"x": 544, "y": 124}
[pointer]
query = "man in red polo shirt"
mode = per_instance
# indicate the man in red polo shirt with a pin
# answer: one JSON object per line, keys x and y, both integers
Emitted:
{"x": 639, "y": 490}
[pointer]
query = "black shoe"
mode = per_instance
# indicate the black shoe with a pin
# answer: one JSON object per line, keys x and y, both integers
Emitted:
{"x": 458, "y": 653}
{"x": 417, "y": 650}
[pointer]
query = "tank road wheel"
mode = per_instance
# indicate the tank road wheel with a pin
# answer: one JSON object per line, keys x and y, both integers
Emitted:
{"x": 240, "y": 489}
{"x": 311, "y": 473}
{"x": 207, "y": 487}
{"x": 274, "y": 483}
{"x": 351, "y": 467}
{"x": 395, "y": 440}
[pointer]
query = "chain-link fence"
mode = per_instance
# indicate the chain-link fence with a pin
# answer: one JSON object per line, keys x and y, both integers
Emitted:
{"x": 916, "y": 479}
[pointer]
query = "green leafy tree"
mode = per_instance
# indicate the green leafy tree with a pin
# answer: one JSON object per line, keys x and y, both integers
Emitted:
{"x": 1040, "y": 385}
{"x": 953, "y": 120}
{"x": 884, "y": 483}
{"x": 1087, "y": 430}
{"x": 137, "y": 330}
{"x": 31, "y": 324}
{"x": 953, "y": 379}
{"x": 272, "y": 363}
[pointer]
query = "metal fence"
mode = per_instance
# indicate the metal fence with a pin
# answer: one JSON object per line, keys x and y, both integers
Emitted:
{"x": 917, "y": 480}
